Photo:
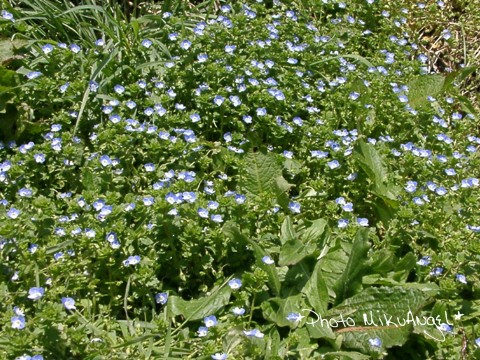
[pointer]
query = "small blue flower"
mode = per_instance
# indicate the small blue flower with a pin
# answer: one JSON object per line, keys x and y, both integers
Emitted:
{"x": 18, "y": 322}
{"x": 218, "y": 100}
{"x": 294, "y": 207}
{"x": 93, "y": 86}
{"x": 33, "y": 75}
{"x": 146, "y": 43}
{"x": 202, "y": 331}
{"x": 424, "y": 261}
{"x": 294, "y": 317}
{"x": 445, "y": 327}
{"x": 7, "y": 16}
{"x": 334, "y": 164}
{"x": 254, "y": 333}
{"x": 375, "y": 342}
{"x": 362, "y": 222}
{"x": 235, "y": 284}
{"x": 69, "y": 303}
{"x": 13, "y": 213}
{"x": 75, "y": 48}
{"x": 267, "y": 260}
{"x": 119, "y": 89}
{"x": 36, "y": 293}
{"x": 461, "y": 278}
{"x": 161, "y": 298}
{"x": 132, "y": 260}
{"x": 229, "y": 49}
{"x": 185, "y": 44}
{"x": 238, "y": 311}
{"x": 477, "y": 342}
{"x": 47, "y": 49}
{"x": 216, "y": 218}
{"x": 210, "y": 321}
{"x": 219, "y": 356}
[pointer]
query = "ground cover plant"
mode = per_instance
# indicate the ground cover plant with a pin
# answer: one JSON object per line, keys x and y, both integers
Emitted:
{"x": 241, "y": 180}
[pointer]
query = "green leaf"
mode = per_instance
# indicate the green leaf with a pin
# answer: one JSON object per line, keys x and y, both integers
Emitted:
{"x": 287, "y": 232}
{"x": 199, "y": 308}
{"x": 260, "y": 173}
{"x": 277, "y": 310}
{"x": 352, "y": 275}
{"x": 381, "y": 312}
{"x": 371, "y": 162}
{"x": 423, "y": 86}
{"x": 294, "y": 251}
{"x": 232, "y": 231}
{"x": 316, "y": 290}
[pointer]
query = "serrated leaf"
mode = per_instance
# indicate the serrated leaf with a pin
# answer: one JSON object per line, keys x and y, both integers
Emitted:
{"x": 316, "y": 290}
{"x": 261, "y": 172}
{"x": 423, "y": 86}
{"x": 352, "y": 273}
{"x": 371, "y": 162}
{"x": 199, "y": 308}
{"x": 381, "y": 312}
{"x": 232, "y": 231}
{"x": 277, "y": 310}
{"x": 287, "y": 232}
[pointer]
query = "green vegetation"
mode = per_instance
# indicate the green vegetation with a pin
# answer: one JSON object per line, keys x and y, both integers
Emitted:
{"x": 198, "y": 180}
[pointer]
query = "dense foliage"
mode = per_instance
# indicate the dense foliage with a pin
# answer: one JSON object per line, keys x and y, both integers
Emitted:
{"x": 244, "y": 181}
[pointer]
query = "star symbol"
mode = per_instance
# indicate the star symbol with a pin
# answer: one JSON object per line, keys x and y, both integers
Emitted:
{"x": 458, "y": 315}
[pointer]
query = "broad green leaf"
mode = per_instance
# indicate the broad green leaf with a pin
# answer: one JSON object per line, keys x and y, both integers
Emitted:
{"x": 314, "y": 231}
{"x": 371, "y": 162}
{"x": 382, "y": 312}
{"x": 294, "y": 251}
{"x": 344, "y": 355}
{"x": 333, "y": 266}
{"x": 232, "y": 231}
{"x": 351, "y": 276}
{"x": 199, "y": 308}
{"x": 316, "y": 290}
{"x": 287, "y": 232}
{"x": 277, "y": 310}
{"x": 423, "y": 86}
{"x": 260, "y": 173}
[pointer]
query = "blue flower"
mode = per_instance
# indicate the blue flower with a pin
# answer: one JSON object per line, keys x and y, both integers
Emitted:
{"x": 238, "y": 311}
{"x": 375, "y": 342}
{"x": 75, "y": 48}
{"x": 202, "y": 213}
{"x": 202, "y": 331}
{"x": 18, "y": 322}
{"x": 36, "y": 293}
{"x": 47, "y": 49}
{"x": 69, "y": 303}
{"x": 294, "y": 207}
{"x": 33, "y": 75}
{"x": 334, "y": 164}
{"x": 254, "y": 333}
{"x": 13, "y": 213}
{"x": 119, "y": 89}
{"x": 161, "y": 298}
{"x": 210, "y": 321}
{"x": 185, "y": 44}
{"x": 7, "y": 16}
{"x": 218, "y": 100}
{"x": 216, "y": 218}
{"x": 132, "y": 260}
{"x": 424, "y": 261}
{"x": 229, "y": 49}
{"x": 294, "y": 317}
{"x": 362, "y": 221}
{"x": 146, "y": 43}
{"x": 235, "y": 284}
{"x": 219, "y": 356}
{"x": 461, "y": 278}
{"x": 267, "y": 260}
